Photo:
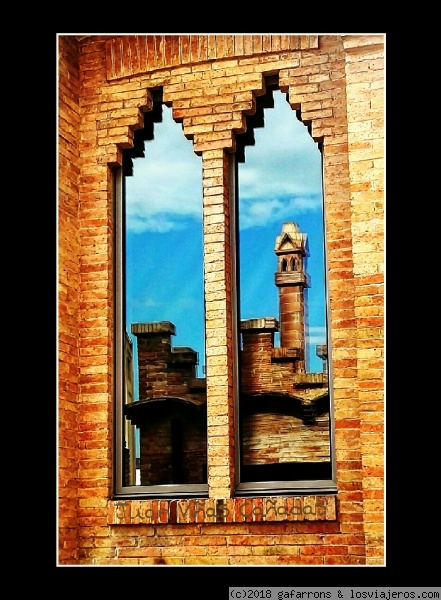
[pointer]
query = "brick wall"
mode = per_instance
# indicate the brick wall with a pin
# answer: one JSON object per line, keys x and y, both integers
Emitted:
{"x": 365, "y": 84}
{"x": 211, "y": 82}
{"x": 68, "y": 297}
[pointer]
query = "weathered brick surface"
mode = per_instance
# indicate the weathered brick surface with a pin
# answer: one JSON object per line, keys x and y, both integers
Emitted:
{"x": 211, "y": 82}
{"x": 68, "y": 298}
{"x": 365, "y": 76}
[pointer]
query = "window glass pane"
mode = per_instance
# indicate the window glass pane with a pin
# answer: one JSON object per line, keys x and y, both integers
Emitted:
{"x": 284, "y": 396}
{"x": 165, "y": 408}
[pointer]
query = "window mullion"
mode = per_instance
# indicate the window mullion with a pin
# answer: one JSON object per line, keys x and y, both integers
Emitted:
{"x": 220, "y": 326}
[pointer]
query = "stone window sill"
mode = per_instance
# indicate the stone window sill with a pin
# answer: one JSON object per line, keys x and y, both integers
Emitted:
{"x": 230, "y": 510}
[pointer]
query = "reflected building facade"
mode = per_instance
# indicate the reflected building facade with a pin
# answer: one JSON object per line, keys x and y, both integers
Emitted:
{"x": 283, "y": 408}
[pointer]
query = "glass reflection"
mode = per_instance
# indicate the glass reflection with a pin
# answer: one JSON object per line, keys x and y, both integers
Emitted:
{"x": 165, "y": 423}
{"x": 284, "y": 394}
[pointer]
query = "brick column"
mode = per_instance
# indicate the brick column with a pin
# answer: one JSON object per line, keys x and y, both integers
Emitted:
{"x": 292, "y": 313}
{"x": 219, "y": 323}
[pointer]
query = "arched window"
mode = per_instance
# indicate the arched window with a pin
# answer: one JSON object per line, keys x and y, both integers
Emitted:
{"x": 162, "y": 437}
{"x": 280, "y": 211}
{"x": 282, "y": 341}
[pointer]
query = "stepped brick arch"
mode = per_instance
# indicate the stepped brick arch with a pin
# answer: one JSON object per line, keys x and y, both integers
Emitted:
{"x": 119, "y": 127}
{"x": 210, "y": 124}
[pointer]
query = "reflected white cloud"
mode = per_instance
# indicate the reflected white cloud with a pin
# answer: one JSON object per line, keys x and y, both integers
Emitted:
{"x": 316, "y": 335}
{"x": 279, "y": 181}
{"x": 166, "y": 186}
{"x": 154, "y": 223}
{"x": 260, "y": 213}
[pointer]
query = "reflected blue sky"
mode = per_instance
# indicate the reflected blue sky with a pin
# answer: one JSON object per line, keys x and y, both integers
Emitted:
{"x": 279, "y": 181}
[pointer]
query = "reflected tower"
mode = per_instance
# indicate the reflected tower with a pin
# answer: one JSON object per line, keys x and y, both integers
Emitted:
{"x": 292, "y": 280}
